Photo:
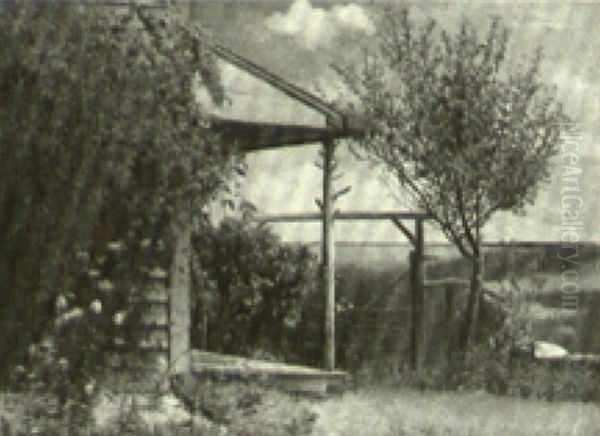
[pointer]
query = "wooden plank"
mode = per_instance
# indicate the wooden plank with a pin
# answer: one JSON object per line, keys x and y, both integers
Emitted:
{"x": 342, "y": 216}
{"x": 405, "y": 230}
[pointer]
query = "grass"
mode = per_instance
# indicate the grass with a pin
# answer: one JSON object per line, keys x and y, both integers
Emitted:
{"x": 397, "y": 412}
{"x": 407, "y": 412}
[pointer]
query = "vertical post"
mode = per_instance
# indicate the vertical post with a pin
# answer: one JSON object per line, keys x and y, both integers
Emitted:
{"x": 328, "y": 258}
{"x": 449, "y": 320}
{"x": 179, "y": 294}
{"x": 417, "y": 332}
{"x": 180, "y": 278}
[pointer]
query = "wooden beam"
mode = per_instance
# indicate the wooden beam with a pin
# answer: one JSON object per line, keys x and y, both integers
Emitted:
{"x": 342, "y": 216}
{"x": 332, "y": 114}
{"x": 180, "y": 287}
{"x": 379, "y": 215}
{"x": 254, "y": 136}
{"x": 409, "y": 235}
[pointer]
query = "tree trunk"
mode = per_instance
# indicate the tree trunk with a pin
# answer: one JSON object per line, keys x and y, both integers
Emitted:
{"x": 470, "y": 331}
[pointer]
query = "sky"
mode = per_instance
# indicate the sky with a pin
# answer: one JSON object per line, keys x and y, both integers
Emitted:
{"x": 300, "y": 40}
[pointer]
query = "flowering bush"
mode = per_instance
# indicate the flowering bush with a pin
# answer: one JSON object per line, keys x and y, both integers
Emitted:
{"x": 93, "y": 322}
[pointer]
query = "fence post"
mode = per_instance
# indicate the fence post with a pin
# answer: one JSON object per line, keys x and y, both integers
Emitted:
{"x": 417, "y": 298}
{"x": 450, "y": 292}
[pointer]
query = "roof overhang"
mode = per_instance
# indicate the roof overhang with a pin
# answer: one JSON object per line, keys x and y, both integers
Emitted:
{"x": 253, "y": 136}
{"x": 250, "y": 135}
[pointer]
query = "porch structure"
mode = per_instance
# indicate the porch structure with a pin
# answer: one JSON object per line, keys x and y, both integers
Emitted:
{"x": 310, "y": 120}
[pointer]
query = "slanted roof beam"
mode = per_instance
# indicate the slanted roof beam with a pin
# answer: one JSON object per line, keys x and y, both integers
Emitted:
{"x": 334, "y": 116}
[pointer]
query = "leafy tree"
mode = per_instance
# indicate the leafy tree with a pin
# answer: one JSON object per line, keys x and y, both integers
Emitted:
{"x": 459, "y": 127}
{"x": 100, "y": 135}
{"x": 252, "y": 289}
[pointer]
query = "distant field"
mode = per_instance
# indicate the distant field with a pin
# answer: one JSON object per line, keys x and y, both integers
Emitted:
{"x": 378, "y": 256}
{"x": 374, "y": 277}
{"x": 522, "y": 257}
{"x": 405, "y": 412}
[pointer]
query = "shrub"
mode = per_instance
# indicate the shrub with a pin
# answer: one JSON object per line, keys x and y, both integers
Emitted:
{"x": 251, "y": 290}
{"x": 93, "y": 321}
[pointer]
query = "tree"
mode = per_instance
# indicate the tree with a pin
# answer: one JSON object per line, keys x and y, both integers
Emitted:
{"x": 100, "y": 135}
{"x": 459, "y": 127}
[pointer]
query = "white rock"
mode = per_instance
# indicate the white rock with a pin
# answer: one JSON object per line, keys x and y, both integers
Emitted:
{"x": 548, "y": 350}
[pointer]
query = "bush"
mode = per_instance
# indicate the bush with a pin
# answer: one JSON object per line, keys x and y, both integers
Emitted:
{"x": 502, "y": 363}
{"x": 93, "y": 322}
{"x": 251, "y": 291}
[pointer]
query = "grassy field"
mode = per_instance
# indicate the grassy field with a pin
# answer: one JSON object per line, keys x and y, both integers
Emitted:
{"x": 409, "y": 412}
{"x": 381, "y": 412}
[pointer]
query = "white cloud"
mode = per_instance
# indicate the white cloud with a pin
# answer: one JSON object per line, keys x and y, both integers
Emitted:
{"x": 315, "y": 26}
{"x": 353, "y": 16}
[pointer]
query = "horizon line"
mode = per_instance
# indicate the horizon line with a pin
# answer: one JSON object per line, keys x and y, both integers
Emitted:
{"x": 525, "y": 243}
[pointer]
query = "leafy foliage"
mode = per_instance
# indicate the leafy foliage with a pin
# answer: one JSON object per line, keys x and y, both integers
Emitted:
{"x": 99, "y": 131}
{"x": 454, "y": 123}
{"x": 451, "y": 120}
{"x": 251, "y": 288}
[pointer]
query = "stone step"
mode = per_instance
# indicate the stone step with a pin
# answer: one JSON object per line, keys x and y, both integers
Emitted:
{"x": 290, "y": 378}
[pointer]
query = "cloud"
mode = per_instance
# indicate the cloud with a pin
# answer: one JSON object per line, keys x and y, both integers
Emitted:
{"x": 353, "y": 16}
{"x": 315, "y": 27}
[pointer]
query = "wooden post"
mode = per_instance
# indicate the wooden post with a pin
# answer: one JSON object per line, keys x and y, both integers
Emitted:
{"x": 328, "y": 258}
{"x": 449, "y": 320}
{"x": 180, "y": 277}
{"x": 417, "y": 332}
{"x": 179, "y": 295}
